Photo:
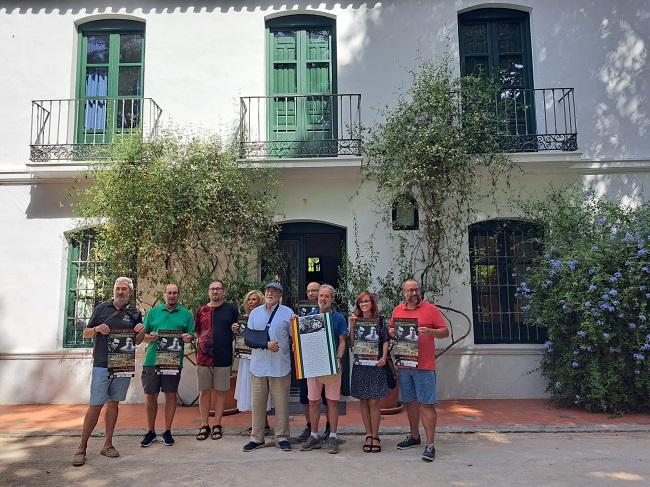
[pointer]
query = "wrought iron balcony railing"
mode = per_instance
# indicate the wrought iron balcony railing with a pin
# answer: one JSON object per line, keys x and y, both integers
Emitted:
{"x": 300, "y": 126}
{"x": 536, "y": 119}
{"x": 82, "y": 129}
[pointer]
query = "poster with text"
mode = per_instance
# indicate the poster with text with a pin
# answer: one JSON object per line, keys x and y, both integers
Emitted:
{"x": 405, "y": 349}
{"x": 366, "y": 341}
{"x": 168, "y": 352}
{"x": 121, "y": 353}
{"x": 314, "y": 347}
{"x": 241, "y": 349}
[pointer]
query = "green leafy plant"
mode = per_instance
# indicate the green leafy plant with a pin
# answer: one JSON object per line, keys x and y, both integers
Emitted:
{"x": 179, "y": 209}
{"x": 591, "y": 289}
{"x": 439, "y": 146}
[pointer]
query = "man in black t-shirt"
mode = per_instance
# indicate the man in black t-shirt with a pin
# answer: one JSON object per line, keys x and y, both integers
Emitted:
{"x": 114, "y": 315}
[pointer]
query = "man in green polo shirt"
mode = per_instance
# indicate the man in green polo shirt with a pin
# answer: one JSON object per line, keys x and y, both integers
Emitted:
{"x": 166, "y": 316}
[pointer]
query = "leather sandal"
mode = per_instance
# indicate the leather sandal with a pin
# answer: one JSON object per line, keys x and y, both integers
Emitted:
{"x": 375, "y": 448}
{"x": 203, "y": 433}
{"x": 217, "y": 432}
{"x": 79, "y": 459}
{"x": 367, "y": 447}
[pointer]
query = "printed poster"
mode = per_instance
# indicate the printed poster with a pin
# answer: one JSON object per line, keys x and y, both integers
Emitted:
{"x": 121, "y": 353}
{"x": 168, "y": 352}
{"x": 306, "y": 307}
{"x": 241, "y": 349}
{"x": 314, "y": 347}
{"x": 366, "y": 341}
{"x": 405, "y": 349}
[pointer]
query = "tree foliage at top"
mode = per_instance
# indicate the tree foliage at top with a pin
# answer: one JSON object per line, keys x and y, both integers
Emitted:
{"x": 180, "y": 210}
{"x": 438, "y": 145}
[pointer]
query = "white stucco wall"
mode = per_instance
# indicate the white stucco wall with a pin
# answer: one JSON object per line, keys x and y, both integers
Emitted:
{"x": 200, "y": 60}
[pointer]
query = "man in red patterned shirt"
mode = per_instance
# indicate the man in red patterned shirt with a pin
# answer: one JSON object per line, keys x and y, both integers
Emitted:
{"x": 213, "y": 328}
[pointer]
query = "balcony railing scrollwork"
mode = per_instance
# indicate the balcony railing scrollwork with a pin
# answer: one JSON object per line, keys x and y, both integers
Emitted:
{"x": 300, "y": 126}
{"x": 82, "y": 129}
{"x": 539, "y": 119}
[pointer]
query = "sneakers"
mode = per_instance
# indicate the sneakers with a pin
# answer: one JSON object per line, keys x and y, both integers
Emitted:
{"x": 332, "y": 445}
{"x": 326, "y": 433}
{"x": 284, "y": 445}
{"x": 251, "y": 445}
{"x": 148, "y": 439}
{"x": 408, "y": 442}
{"x": 310, "y": 443}
{"x": 306, "y": 433}
{"x": 429, "y": 453}
{"x": 168, "y": 439}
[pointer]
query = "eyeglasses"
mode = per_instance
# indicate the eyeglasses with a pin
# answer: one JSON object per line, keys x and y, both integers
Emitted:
{"x": 366, "y": 301}
{"x": 216, "y": 289}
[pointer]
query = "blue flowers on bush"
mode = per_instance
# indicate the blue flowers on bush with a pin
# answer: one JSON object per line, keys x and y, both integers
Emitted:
{"x": 588, "y": 290}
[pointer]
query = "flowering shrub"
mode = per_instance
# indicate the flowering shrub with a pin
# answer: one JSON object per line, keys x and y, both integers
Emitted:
{"x": 591, "y": 290}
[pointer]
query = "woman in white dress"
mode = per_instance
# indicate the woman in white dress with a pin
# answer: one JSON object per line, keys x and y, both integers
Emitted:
{"x": 243, "y": 385}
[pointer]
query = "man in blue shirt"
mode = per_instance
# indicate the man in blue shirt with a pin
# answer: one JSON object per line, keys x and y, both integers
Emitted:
{"x": 270, "y": 368}
{"x": 326, "y": 295}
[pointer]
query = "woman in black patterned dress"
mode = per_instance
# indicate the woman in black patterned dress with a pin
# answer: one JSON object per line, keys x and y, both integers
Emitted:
{"x": 369, "y": 381}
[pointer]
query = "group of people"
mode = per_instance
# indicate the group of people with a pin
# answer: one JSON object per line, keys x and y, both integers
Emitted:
{"x": 264, "y": 380}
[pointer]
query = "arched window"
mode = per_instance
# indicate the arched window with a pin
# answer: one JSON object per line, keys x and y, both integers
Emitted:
{"x": 495, "y": 42}
{"x": 83, "y": 286}
{"x": 499, "y": 253}
{"x": 110, "y": 79}
{"x": 302, "y": 82}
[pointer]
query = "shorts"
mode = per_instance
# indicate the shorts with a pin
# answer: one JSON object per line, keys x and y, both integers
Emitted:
{"x": 302, "y": 387}
{"x": 415, "y": 384}
{"x": 103, "y": 388}
{"x": 153, "y": 383}
{"x": 315, "y": 387}
{"x": 213, "y": 378}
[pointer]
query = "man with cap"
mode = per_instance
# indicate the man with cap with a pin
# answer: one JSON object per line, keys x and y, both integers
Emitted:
{"x": 270, "y": 368}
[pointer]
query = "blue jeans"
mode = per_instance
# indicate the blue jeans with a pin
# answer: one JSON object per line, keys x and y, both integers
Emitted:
{"x": 417, "y": 385}
{"x": 103, "y": 388}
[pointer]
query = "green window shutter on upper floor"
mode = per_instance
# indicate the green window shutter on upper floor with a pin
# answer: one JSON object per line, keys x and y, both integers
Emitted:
{"x": 302, "y": 62}
{"x": 109, "y": 79}
{"x": 495, "y": 42}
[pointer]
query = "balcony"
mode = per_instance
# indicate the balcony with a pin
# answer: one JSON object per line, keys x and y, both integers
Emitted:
{"x": 300, "y": 126}
{"x": 81, "y": 130}
{"x": 540, "y": 119}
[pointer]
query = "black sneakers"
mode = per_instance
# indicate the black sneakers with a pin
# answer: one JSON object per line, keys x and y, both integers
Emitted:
{"x": 429, "y": 453}
{"x": 408, "y": 442}
{"x": 251, "y": 445}
{"x": 167, "y": 437}
{"x": 148, "y": 439}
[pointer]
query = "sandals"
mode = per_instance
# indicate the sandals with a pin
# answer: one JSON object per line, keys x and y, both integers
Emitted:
{"x": 367, "y": 447}
{"x": 217, "y": 432}
{"x": 203, "y": 433}
{"x": 79, "y": 459}
{"x": 375, "y": 448}
{"x": 110, "y": 452}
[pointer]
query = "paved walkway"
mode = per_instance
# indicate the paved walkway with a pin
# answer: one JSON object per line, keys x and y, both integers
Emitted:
{"x": 453, "y": 416}
{"x": 463, "y": 460}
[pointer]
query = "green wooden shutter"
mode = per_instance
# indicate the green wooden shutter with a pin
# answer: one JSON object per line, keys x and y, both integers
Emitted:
{"x": 302, "y": 62}
{"x": 496, "y": 43}
{"x": 110, "y": 79}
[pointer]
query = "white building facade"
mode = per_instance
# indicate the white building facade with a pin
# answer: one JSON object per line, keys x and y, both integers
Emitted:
{"x": 296, "y": 81}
